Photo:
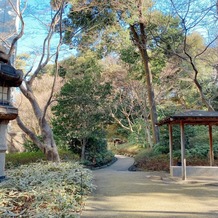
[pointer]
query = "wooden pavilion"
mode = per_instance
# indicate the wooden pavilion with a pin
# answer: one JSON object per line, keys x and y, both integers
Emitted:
{"x": 192, "y": 117}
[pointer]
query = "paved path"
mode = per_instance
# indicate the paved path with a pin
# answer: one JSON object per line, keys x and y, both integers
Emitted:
{"x": 121, "y": 193}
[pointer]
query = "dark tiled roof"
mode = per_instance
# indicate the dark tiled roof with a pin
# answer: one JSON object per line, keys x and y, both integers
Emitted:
{"x": 196, "y": 113}
{"x": 193, "y": 117}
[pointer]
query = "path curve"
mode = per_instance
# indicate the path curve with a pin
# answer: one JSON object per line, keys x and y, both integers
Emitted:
{"x": 121, "y": 193}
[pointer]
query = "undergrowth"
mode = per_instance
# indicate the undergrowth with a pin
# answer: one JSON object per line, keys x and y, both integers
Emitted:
{"x": 17, "y": 159}
{"x": 126, "y": 149}
{"x": 42, "y": 190}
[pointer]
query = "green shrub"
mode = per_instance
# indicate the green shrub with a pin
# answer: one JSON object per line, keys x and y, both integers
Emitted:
{"x": 198, "y": 152}
{"x": 17, "y": 159}
{"x": 138, "y": 136}
{"x": 161, "y": 149}
{"x": 45, "y": 190}
{"x": 30, "y": 146}
{"x": 153, "y": 162}
{"x": 99, "y": 159}
{"x": 66, "y": 155}
{"x": 215, "y": 149}
{"x": 144, "y": 154}
{"x": 96, "y": 150}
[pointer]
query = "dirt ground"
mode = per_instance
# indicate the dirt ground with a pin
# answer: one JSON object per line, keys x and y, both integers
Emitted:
{"x": 123, "y": 193}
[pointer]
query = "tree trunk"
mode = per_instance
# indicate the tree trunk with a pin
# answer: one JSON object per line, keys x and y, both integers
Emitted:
{"x": 83, "y": 144}
{"x": 147, "y": 127}
{"x": 151, "y": 99}
{"x": 50, "y": 148}
{"x": 47, "y": 144}
{"x": 140, "y": 41}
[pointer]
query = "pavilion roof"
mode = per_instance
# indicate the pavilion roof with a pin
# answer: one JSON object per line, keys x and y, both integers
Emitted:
{"x": 192, "y": 117}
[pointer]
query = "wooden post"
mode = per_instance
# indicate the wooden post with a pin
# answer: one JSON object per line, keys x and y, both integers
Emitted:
{"x": 182, "y": 132}
{"x": 211, "y": 145}
{"x": 171, "y": 146}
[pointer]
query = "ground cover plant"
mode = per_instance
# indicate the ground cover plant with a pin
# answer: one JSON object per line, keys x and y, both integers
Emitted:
{"x": 45, "y": 190}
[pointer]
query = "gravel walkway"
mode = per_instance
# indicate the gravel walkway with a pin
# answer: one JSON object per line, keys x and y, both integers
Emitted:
{"x": 121, "y": 193}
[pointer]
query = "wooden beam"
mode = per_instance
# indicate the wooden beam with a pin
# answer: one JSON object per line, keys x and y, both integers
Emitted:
{"x": 171, "y": 146}
{"x": 211, "y": 145}
{"x": 183, "y": 161}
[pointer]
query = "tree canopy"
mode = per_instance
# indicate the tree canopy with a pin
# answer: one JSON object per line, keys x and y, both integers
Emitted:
{"x": 156, "y": 56}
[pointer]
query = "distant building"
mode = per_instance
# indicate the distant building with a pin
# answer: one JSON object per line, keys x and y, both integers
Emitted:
{"x": 8, "y": 22}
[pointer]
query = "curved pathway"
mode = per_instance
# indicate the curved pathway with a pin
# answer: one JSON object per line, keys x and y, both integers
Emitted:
{"x": 121, "y": 193}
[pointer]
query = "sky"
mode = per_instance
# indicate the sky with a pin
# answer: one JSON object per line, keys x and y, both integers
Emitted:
{"x": 37, "y": 16}
{"x": 35, "y": 29}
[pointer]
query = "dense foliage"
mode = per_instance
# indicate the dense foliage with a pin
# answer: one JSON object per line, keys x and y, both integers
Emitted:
{"x": 134, "y": 63}
{"x": 45, "y": 190}
{"x": 81, "y": 111}
{"x": 97, "y": 153}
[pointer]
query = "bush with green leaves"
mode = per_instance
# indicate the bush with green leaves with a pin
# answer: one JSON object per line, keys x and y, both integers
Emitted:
{"x": 30, "y": 146}
{"x": 17, "y": 159}
{"x": 138, "y": 136}
{"x": 196, "y": 141}
{"x": 99, "y": 159}
{"x": 148, "y": 159}
{"x": 97, "y": 153}
{"x": 161, "y": 149}
{"x": 44, "y": 190}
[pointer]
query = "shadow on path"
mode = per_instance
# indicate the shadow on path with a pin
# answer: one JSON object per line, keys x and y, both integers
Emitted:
{"x": 122, "y": 193}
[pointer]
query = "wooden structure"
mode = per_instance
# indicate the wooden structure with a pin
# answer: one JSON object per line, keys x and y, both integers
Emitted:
{"x": 192, "y": 117}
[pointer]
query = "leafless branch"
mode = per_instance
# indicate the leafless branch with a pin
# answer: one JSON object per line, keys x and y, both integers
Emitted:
{"x": 29, "y": 133}
{"x": 207, "y": 46}
{"x": 45, "y": 57}
{"x": 19, "y": 14}
{"x": 56, "y": 63}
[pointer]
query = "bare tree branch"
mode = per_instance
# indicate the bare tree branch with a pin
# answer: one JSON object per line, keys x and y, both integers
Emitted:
{"x": 207, "y": 46}
{"x": 46, "y": 46}
{"x": 29, "y": 133}
{"x": 19, "y": 14}
{"x": 56, "y": 63}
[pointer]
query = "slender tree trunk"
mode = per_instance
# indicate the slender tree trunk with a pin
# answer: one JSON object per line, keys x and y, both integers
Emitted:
{"x": 151, "y": 98}
{"x": 83, "y": 149}
{"x": 140, "y": 40}
{"x": 141, "y": 43}
{"x": 147, "y": 126}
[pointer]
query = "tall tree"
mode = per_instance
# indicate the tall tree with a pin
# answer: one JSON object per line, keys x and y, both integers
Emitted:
{"x": 82, "y": 103}
{"x": 46, "y": 142}
{"x": 105, "y": 22}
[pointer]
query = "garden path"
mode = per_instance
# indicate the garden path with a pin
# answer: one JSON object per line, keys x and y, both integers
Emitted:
{"x": 123, "y": 193}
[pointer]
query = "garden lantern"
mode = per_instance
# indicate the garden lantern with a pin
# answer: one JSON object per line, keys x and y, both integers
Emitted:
{"x": 9, "y": 77}
{"x": 5, "y": 93}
